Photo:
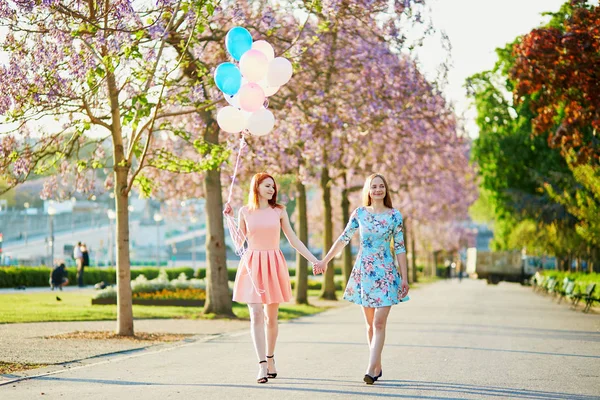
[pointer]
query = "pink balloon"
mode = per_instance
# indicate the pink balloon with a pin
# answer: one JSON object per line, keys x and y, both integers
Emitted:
{"x": 254, "y": 65}
{"x": 251, "y": 97}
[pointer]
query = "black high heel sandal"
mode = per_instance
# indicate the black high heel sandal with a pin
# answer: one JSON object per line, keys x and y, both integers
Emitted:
{"x": 264, "y": 379}
{"x": 369, "y": 380}
{"x": 378, "y": 376}
{"x": 271, "y": 375}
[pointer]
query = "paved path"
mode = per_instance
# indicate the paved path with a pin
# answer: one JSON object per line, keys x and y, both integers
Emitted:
{"x": 452, "y": 340}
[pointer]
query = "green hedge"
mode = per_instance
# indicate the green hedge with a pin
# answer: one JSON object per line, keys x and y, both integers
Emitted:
{"x": 39, "y": 276}
{"x": 581, "y": 280}
{"x": 231, "y": 272}
{"x": 318, "y": 285}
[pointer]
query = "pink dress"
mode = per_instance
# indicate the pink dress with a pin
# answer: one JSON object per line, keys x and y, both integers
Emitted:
{"x": 262, "y": 275}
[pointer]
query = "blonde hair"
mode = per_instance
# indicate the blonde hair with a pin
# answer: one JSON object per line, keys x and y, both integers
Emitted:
{"x": 387, "y": 200}
{"x": 253, "y": 202}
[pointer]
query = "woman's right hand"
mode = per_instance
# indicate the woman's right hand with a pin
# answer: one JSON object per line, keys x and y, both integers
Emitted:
{"x": 228, "y": 211}
{"x": 319, "y": 268}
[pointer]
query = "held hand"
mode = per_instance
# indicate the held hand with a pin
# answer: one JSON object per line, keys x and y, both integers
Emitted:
{"x": 316, "y": 270}
{"x": 403, "y": 290}
{"x": 228, "y": 211}
{"x": 319, "y": 267}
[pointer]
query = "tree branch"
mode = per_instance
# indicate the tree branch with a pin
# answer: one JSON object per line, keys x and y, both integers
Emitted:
{"x": 92, "y": 117}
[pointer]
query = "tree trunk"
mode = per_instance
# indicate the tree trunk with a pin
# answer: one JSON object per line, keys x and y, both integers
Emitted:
{"x": 218, "y": 298}
{"x": 121, "y": 171}
{"x": 328, "y": 292}
{"x": 301, "y": 262}
{"x": 124, "y": 303}
{"x": 347, "y": 254}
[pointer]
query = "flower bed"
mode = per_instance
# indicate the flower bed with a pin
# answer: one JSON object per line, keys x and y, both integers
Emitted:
{"x": 160, "y": 291}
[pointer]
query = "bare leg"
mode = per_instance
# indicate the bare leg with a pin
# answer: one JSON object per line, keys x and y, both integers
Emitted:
{"x": 257, "y": 330}
{"x": 369, "y": 313}
{"x": 272, "y": 326}
{"x": 376, "y": 347}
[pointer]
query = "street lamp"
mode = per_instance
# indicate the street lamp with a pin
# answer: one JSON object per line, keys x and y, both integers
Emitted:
{"x": 111, "y": 245}
{"x": 51, "y": 213}
{"x": 26, "y": 205}
{"x": 157, "y": 219}
{"x": 193, "y": 220}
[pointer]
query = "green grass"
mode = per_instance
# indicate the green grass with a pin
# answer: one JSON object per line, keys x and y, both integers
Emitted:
{"x": 43, "y": 307}
{"x": 286, "y": 311}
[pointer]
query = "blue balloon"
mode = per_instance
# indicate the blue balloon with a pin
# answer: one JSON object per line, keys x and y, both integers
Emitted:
{"x": 228, "y": 78}
{"x": 238, "y": 41}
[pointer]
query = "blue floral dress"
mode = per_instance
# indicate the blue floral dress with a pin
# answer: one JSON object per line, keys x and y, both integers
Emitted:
{"x": 375, "y": 280}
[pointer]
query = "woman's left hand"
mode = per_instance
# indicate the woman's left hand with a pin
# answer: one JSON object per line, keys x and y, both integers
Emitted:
{"x": 403, "y": 291}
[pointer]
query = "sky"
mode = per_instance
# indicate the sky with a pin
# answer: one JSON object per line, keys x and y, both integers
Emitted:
{"x": 476, "y": 28}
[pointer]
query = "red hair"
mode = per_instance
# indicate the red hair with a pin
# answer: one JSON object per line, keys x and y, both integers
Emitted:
{"x": 253, "y": 202}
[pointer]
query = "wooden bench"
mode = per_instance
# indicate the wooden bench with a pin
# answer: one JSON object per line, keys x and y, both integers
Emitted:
{"x": 587, "y": 296}
{"x": 567, "y": 290}
{"x": 551, "y": 285}
{"x": 537, "y": 281}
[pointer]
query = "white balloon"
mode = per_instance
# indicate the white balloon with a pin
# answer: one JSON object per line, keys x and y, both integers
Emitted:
{"x": 261, "y": 122}
{"x": 246, "y": 115}
{"x": 264, "y": 47}
{"x": 232, "y": 100}
{"x": 231, "y": 120}
{"x": 269, "y": 90}
{"x": 254, "y": 65}
{"x": 279, "y": 72}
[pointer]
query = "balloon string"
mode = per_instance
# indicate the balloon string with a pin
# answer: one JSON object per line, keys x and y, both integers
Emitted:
{"x": 236, "y": 234}
{"x": 239, "y": 238}
{"x": 237, "y": 164}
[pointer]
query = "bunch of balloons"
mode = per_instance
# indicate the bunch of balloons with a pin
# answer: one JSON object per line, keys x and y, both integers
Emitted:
{"x": 260, "y": 74}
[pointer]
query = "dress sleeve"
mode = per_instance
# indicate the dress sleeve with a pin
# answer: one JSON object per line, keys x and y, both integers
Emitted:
{"x": 350, "y": 228}
{"x": 399, "y": 236}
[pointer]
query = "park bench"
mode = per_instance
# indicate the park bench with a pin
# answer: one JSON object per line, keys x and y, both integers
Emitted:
{"x": 551, "y": 285}
{"x": 542, "y": 283}
{"x": 537, "y": 281}
{"x": 587, "y": 296}
{"x": 567, "y": 290}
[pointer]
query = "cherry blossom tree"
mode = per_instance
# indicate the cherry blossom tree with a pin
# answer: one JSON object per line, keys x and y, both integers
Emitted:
{"x": 103, "y": 72}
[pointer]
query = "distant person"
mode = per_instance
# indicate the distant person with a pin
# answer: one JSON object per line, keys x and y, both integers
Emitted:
{"x": 85, "y": 262}
{"x": 78, "y": 257}
{"x": 58, "y": 277}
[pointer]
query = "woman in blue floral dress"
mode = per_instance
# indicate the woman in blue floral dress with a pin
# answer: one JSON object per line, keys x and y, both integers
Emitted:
{"x": 375, "y": 282}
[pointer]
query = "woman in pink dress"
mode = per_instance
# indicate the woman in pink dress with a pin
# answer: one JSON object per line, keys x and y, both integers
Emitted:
{"x": 262, "y": 279}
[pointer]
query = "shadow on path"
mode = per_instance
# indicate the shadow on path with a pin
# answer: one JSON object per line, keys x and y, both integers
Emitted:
{"x": 398, "y": 386}
{"x": 424, "y": 346}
